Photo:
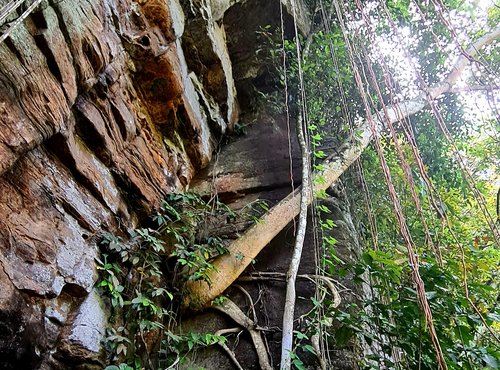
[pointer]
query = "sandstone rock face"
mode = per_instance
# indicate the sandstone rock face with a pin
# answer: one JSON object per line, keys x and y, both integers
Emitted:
{"x": 105, "y": 107}
{"x": 264, "y": 159}
{"x": 101, "y": 116}
{"x": 88, "y": 327}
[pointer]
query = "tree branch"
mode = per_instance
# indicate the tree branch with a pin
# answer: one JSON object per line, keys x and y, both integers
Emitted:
{"x": 229, "y": 308}
{"x": 456, "y": 90}
{"x": 243, "y": 250}
{"x": 462, "y": 62}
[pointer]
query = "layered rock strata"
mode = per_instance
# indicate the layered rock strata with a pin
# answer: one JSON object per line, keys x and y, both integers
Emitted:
{"x": 105, "y": 107}
{"x": 100, "y": 117}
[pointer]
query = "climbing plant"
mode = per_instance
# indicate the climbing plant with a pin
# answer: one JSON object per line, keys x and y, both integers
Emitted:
{"x": 420, "y": 263}
{"x": 143, "y": 277}
{"x": 392, "y": 317}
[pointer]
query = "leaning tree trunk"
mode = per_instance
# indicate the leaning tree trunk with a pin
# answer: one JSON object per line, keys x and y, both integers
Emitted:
{"x": 242, "y": 251}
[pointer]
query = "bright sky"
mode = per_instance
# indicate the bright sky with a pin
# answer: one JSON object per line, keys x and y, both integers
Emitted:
{"x": 396, "y": 50}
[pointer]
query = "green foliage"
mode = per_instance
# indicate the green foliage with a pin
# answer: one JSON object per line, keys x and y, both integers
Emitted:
{"x": 392, "y": 317}
{"x": 219, "y": 300}
{"x": 119, "y": 367}
{"x": 323, "y": 79}
{"x": 143, "y": 277}
{"x": 190, "y": 341}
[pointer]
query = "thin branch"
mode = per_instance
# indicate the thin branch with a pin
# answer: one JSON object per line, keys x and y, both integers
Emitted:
{"x": 229, "y": 308}
{"x": 250, "y": 300}
{"x": 19, "y": 20}
{"x": 462, "y": 62}
{"x": 9, "y": 9}
{"x": 280, "y": 276}
{"x": 457, "y": 90}
{"x": 228, "y": 351}
{"x": 174, "y": 365}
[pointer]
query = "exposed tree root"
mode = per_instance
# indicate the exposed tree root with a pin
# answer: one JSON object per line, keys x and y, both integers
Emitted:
{"x": 233, "y": 311}
{"x": 174, "y": 365}
{"x": 228, "y": 351}
{"x": 250, "y": 300}
{"x": 328, "y": 281}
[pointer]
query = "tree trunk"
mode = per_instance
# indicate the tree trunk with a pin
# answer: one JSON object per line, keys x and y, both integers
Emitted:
{"x": 243, "y": 250}
{"x": 289, "y": 309}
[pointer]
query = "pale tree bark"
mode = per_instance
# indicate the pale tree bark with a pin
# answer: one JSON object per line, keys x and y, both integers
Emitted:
{"x": 229, "y": 308}
{"x": 305, "y": 195}
{"x": 291, "y": 277}
{"x": 243, "y": 250}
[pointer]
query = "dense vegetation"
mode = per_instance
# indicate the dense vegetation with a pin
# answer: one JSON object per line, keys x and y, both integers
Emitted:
{"x": 423, "y": 195}
{"x": 441, "y": 170}
{"x": 144, "y": 275}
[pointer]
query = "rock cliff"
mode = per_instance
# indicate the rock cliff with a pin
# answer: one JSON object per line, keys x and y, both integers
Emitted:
{"x": 105, "y": 107}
